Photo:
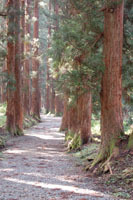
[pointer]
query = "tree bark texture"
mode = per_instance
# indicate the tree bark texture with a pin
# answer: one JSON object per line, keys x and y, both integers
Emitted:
{"x": 52, "y": 97}
{"x": 35, "y": 69}
{"x": 48, "y": 86}
{"x": 111, "y": 92}
{"x": 72, "y": 118}
{"x": 14, "y": 94}
{"x": 10, "y": 67}
{"x": 64, "y": 123}
{"x": 58, "y": 105}
{"x": 84, "y": 104}
{"x": 26, "y": 81}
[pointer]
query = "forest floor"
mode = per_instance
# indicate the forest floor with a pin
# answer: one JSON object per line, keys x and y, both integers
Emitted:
{"x": 37, "y": 167}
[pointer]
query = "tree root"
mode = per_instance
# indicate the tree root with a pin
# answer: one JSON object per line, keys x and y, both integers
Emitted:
{"x": 106, "y": 165}
{"x": 102, "y": 163}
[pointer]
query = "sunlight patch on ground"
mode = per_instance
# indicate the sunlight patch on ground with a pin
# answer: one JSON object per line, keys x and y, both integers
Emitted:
{"x": 45, "y": 137}
{"x": 6, "y": 170}
{"x": 56, "y": 186}
{"x": 55, "y": 129}
{"x": 16, "y": 151}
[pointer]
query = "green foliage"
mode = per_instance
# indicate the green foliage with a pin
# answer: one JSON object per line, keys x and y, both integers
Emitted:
{"x": 76, "y": 52}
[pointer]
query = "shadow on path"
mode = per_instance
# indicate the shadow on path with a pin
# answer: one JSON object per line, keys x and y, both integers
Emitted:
{"x": 36, "y": 167}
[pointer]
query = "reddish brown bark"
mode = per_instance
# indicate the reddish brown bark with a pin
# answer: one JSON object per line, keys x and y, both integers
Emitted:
{"x": 73, "y": 118}
{"x": 52, "y": 98}
{"x": 26, "y": 81}
{"x": 18, "y": 78}
{"x": 111, "y": 93}
{"x": 48, "y": 86}
{"x": 64, "y": 123}
{"x": 14, "y": 95}
{"x": 47, "y": 91}
{"x": 10, "y": 66}
{"x": 58, "y": 105}
{"x": 35, "y": 68}
{"x": 84, "y": 116}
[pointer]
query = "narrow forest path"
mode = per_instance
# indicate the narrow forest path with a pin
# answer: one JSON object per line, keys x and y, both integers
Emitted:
{"x": 35, "y": 167}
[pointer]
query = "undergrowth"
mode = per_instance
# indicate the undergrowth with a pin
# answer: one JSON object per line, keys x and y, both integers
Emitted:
{"x": 29, "y": 121}
{"x": 73, "y": 141}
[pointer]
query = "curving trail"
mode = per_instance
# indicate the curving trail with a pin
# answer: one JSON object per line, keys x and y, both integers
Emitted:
{"x": 35, "y": 167}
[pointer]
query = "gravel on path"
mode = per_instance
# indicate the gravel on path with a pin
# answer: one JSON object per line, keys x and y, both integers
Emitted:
{"x": 36, "y": 167}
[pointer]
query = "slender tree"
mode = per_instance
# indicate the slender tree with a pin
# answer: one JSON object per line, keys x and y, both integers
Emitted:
{"x": 35, "y": 68}
{"x": 26, "y": 81}
{"x": 50, "y": 93}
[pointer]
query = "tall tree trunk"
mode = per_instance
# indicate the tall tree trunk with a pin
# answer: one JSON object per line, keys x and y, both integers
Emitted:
{"x": 111, "y": 92}
{"x": 10, "y": 67}
{"x": 58, "y": 100}
{"x": 48, "y": 87}
{"x": 72, "y": 118}
{"x": 35, "y": 68}
{"x": 14, "y": 96}
{"x": 47, "y": 91}
{"x": 84, "y": 104}
{"x": 58, "y": 105}
{"x": 26, "y": 85}
{"x": 18, "y": 78}
{"x": 64, "y": 123}
{"x": 52, "y": 97}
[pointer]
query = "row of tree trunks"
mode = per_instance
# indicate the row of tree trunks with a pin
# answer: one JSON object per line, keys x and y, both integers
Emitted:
{"x": 17, "y": 100}
{"x": 111, "y": 89}
{"x": 53, "y": 102}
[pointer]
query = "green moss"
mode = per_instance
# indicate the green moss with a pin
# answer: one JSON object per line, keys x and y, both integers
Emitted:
{"x": 15, "y": 131}
{"x": 73, "y": 140}
{"x": 2, "y": 142}
{"x": 69, "y": 136}
{"x": 130, "y": 142}
{"x": 112, "y": 146}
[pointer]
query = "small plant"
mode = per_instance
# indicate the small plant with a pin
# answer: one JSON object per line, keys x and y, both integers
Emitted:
{"x": 2, "y": 142}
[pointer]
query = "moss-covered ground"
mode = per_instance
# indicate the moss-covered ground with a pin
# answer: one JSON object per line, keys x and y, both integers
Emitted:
{"x": 120, "y": 181}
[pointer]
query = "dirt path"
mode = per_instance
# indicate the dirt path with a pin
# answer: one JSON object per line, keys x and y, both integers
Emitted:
{"x": 35, "y": 167}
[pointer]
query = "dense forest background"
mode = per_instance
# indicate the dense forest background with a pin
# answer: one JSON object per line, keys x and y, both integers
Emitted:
{"x": 72, "y": 59}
